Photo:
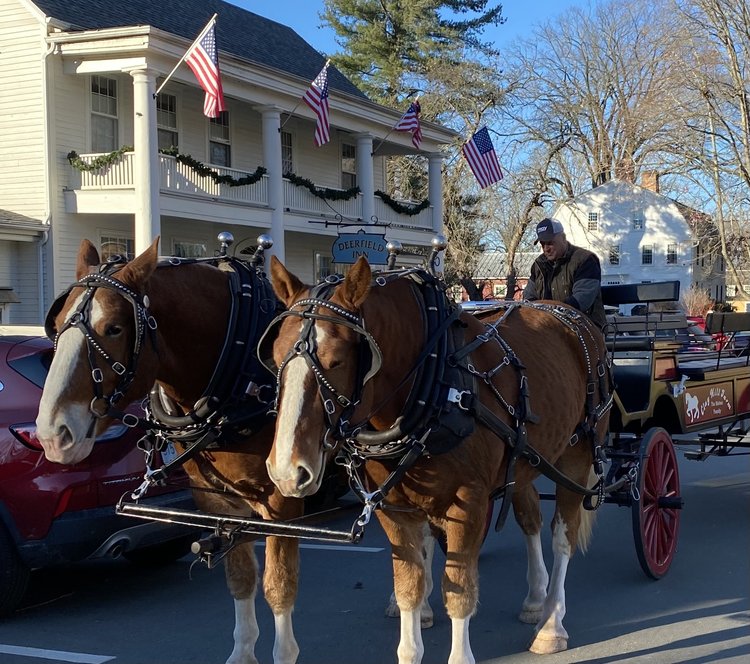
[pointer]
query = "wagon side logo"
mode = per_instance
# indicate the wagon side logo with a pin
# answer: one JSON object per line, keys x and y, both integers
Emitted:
{"x": 712, "y": 402}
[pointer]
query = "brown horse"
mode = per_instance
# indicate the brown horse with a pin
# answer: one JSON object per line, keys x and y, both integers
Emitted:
{"x": 185, "y": 311}
{"x": 353, "y": 362}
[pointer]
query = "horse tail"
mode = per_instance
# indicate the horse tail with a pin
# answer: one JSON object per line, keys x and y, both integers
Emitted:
{"x": 587, "y": 519}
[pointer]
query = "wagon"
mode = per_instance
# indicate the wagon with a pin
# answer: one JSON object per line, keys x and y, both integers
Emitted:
{"x": 669, "y": 384}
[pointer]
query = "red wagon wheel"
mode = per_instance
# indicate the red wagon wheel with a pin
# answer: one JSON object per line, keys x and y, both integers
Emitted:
{"x": 656, "y": 507}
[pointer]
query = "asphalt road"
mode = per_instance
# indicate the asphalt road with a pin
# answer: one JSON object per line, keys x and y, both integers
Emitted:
{"x": 698, "y": 613}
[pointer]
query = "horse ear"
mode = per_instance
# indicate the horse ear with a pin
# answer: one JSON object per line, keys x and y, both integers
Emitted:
{"x": 88, "y": 257}
{"x": 356, "y": 286}
{"x": 138, "y": 271}
{"x": 285, "y": 284}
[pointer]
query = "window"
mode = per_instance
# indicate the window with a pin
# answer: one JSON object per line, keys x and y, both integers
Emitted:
{"x": 323, "y": 266}
{"x": 166, "y": 120}
{"x": 637, "y": 224}
{"x": 614, "y": 254}
{"x": 498, "y": 290}
{"x": 593, "y": 221}
{"x": 731, "y": 290}
{"x": 671, "y": 254}
{"x": 189, "y": 249}
{"x": 220, "y": 151}
{"x": 104, "y": 133}
{"x": 287, "y": 161}
{"x": 348, "y": 166}
{"x": 647, "y": 254}
{"x": 114, "y": 245}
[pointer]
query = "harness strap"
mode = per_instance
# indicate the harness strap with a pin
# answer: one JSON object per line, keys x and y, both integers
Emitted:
{"x": 493, "y": 422}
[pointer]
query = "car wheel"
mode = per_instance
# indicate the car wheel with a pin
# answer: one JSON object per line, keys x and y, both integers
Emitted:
{"x": 161, "y": 554}
{"x": 14, "y": 575}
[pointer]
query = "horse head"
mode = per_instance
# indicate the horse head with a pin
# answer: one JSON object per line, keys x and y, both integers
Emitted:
{"x": 100, "y": 327}
{"x": 317, "y": 352}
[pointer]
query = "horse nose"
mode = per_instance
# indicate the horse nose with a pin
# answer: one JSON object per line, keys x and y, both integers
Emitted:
{"x": 298, "y": 482}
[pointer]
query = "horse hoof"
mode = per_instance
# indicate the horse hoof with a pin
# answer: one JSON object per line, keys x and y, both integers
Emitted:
{"x": 530, "y": 616}
{"x": 548, "y": 646}
{"x": 426, "y": 621}
{"x": 391, "y": 611}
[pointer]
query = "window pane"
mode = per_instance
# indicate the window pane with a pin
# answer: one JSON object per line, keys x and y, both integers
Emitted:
{"x": 167, "y": 138}
{"x": 287, "y": 161}
{"x": 113, "y": 245}
{"x": 186, "y": 249}
{"x": 103, "y": 134}
{"x": 614, "y": 254}
{"x": 220, "y": 154}
{"x": 219, "y": 127}
{"x": 348, "y": 166}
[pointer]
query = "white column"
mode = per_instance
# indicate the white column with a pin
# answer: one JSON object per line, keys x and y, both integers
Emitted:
{"x": 435, "y": 189}
{"x": 365, "y": 177}
{"x": 272, "y": 161}
{"x": 146, "y": 161}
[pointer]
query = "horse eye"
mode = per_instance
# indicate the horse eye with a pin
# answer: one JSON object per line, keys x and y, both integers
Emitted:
{"x": 113, "y": 330}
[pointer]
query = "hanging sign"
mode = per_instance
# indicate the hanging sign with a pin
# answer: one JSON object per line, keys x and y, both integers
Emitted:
{"x": 348, "y": 247}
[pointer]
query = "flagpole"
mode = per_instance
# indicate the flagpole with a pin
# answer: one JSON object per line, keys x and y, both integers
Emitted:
{"x": 375, "y": 149}
{"x": 182, "y": 59}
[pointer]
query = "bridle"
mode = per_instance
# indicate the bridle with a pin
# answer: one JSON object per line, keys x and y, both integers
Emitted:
{"x": 369, "y": 356}
{"x": 104, "y": 405}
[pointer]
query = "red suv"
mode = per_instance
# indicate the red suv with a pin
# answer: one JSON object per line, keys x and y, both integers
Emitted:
{"x": 52, "y": 514}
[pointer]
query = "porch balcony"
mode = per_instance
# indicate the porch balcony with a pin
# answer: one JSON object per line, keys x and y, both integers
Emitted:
{"x": 112, "y": 188}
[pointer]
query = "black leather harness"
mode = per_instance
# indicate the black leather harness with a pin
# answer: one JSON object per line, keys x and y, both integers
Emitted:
{"x": 443, "y": 403}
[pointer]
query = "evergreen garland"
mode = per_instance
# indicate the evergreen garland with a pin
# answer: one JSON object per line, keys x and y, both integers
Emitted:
{"x": 322, "y": 192}
{"x": 205, "y": 171}
{"x": 107, "y": 160}
{"x": 98, "y": 163}
{"x": 408, "y": 210}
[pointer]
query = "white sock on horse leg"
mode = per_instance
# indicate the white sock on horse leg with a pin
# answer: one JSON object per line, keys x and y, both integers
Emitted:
{"x": 246, "y": 632}
{"x": 285, "y": 648}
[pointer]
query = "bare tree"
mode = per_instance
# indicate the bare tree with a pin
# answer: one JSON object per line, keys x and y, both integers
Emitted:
{"x": 715, "y": 68}
{"x": 603, "y": 77}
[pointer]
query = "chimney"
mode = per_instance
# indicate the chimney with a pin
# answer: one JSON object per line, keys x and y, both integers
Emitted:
{"x": 650, "y": 180}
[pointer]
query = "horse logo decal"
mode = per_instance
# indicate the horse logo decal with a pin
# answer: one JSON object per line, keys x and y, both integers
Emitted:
{"x": 691, "y": 407}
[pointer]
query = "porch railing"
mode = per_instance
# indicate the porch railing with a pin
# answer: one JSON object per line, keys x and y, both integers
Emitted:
{"x": 176, "y": 177}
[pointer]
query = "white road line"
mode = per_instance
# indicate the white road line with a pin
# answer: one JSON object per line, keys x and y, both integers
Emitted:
{"x": 337, "y": 547}
{"x": 57, "y": 655}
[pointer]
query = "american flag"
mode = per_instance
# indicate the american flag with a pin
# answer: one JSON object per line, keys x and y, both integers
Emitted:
{"x": 410, "y": 122}
{"x": 480, "y": 154}
{"x": 204, "y": 61}
{"x": 316, "y": 98}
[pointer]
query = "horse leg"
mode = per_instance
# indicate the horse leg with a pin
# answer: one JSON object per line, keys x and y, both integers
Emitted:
{"x": 426, "y": 617}
{"x": 406, "y": 536}
{"x": 529, "y": 518}
{"x": 464, "y": 533}
{"x": 571, "y": 525}
{"x": 280, "y": 580}
{"x": 241, "y": 568}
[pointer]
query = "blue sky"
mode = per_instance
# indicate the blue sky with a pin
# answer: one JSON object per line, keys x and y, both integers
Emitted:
{"x": 302, "y": 16}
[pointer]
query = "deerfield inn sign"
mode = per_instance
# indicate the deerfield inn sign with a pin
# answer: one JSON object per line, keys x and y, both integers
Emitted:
{"x": 348, "y": 247}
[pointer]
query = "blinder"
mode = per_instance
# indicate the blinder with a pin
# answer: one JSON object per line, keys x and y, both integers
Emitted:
{"x": 57, "y": 306}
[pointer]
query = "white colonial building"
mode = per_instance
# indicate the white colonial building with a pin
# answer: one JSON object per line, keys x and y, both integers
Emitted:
{"x": 642, "y": 236}
{"x": 77, "y": 84}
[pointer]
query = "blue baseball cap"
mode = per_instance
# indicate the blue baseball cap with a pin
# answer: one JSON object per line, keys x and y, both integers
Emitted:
{"x": 547, "y": 229}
